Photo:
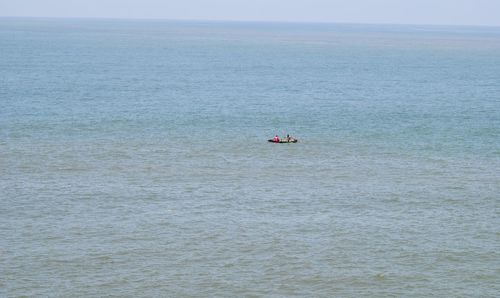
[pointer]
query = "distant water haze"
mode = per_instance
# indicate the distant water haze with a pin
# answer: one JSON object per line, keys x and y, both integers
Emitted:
{"x": 438, "y": 12}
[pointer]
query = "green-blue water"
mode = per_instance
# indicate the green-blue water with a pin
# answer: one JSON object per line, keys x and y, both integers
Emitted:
{"x": 134, "y": 160}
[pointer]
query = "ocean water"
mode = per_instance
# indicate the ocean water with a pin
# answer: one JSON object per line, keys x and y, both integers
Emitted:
{"x": 134, "y": 159}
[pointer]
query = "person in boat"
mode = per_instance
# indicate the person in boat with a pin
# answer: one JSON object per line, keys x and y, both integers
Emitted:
{"x": 289, "y": 138}
{"x": 276, "y": 139}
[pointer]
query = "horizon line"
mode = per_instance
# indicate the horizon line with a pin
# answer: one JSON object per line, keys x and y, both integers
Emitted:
{"x": 246, "y": 21}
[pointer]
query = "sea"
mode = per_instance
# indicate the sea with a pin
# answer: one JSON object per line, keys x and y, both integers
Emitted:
{"x": 134, "y": 159}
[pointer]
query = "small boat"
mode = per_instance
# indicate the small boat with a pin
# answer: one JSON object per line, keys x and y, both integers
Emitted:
{"x": 283, "y": 141}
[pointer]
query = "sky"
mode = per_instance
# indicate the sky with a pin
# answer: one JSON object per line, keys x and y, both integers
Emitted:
{"x": 434, "y": 12}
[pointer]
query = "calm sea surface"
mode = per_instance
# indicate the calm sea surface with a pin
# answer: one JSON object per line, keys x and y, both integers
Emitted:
{"x": 134, "y": 159}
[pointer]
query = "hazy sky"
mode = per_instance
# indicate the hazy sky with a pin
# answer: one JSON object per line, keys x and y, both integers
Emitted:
{"x": 453, "y": 12}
